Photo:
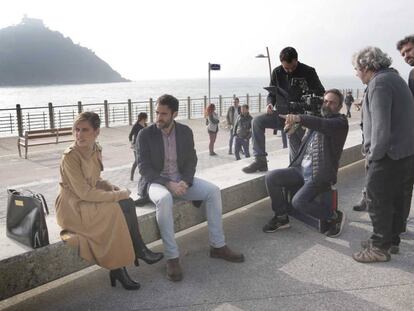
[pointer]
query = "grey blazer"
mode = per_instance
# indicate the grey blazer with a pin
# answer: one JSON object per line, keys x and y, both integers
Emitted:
{"x": 151, "y": 156}
{"x": 388, "y": 117}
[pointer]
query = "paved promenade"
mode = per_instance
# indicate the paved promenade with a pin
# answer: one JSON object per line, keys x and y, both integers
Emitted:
{"x": 296, "y": 269}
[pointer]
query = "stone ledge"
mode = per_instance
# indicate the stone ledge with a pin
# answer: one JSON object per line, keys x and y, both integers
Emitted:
{"x": 36, "y": 267}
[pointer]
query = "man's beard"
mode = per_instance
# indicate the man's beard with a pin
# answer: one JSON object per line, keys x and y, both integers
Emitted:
{"x": 164, "y": 125}
{"x": 325, "y": 111}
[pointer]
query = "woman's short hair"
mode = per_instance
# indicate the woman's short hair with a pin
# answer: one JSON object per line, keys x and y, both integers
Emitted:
{"x": 89, "y": 116}
{"x": 371, "y": 58}
{"x": 142, "y": 116}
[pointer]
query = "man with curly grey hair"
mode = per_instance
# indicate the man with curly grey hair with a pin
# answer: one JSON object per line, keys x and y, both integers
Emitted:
{"x": 388, "y": 116}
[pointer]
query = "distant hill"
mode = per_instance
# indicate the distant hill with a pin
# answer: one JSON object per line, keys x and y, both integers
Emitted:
{"x": 32, "y": 54}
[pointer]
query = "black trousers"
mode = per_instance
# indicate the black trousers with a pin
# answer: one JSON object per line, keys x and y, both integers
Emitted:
{"x": 403, "y": 199}
{"x": 304, "y": 193}
{"x": 407, "y": 192}
{"x": 268, "y": 121}
{"x": 130, "y": 213}
{"x": 388, "y": 182}
{"x": 134, "y": 165}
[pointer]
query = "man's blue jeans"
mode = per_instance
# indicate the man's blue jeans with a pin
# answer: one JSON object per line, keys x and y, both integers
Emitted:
{"x": 201, "y": 190}
{"x": 239, "y": 144}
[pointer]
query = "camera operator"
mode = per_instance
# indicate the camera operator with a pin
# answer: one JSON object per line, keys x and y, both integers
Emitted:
{"x": 314, "y": 168}
{"x": 289, "y": 71}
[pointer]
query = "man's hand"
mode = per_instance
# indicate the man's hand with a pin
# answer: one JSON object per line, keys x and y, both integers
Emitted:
{"x": 183, "y": 186}
{"x": 291, "y": 122}
{"x": 177, "y": 188}
{"x": 367, "y": 162}
{"x": 269, "y": 109}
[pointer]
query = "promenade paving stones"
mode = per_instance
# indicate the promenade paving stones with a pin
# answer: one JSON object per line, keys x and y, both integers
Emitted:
{"x": 294, "y": 269}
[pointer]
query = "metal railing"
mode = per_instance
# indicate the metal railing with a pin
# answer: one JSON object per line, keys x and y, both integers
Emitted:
{"x": 14, "y": 121}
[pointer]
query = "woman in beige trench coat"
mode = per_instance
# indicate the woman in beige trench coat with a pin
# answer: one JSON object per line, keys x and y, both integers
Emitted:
{"x": 100, "y": 217}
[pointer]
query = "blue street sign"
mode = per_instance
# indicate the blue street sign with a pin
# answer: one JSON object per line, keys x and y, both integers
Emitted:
{"x": 214, "y": 66}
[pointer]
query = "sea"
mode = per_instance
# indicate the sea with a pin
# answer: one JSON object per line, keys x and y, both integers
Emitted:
{"x": 60, "y": 95}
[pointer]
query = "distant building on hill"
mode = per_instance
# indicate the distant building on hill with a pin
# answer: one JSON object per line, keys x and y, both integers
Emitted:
{"x": 32, "y": 22}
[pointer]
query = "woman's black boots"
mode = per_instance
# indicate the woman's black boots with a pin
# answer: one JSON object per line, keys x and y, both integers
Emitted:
{"x": 122, "y": 276}
{"x": 147, "y": 255}
{"x": 141, "y": 250}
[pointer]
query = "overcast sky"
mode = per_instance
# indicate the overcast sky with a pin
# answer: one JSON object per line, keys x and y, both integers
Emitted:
{"x": 155, "y": 39}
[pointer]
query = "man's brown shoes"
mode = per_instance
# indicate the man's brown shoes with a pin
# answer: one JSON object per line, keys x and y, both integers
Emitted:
{"x": 174, "y": 272}
{"x": 226, "y": 253}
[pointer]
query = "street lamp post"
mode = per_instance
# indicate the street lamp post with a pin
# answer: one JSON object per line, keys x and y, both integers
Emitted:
{"x": 211, "y": 67}
{"x": 209, "y": 84}
{"x": 268, "y": 60}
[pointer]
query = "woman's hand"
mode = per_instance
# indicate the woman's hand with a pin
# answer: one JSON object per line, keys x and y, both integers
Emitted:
{"x": 124, "y": 194}
{"x": 104, "y": 185}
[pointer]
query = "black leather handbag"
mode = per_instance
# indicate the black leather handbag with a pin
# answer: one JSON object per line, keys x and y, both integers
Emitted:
{"x": 26, "y": 222}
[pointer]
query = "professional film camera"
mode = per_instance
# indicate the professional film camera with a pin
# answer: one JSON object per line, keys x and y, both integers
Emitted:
{"x": 299, "y": 100}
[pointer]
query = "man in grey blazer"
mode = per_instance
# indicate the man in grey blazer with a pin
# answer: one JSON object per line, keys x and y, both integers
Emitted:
{"x": 388, "y": 118}
{"x": 232, "y": 113}
{"x": 167, "y": 163}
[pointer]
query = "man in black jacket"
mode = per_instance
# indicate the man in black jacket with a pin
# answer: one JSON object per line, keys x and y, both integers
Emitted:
{"x": 314, "y": 167}
{"x": 406, "y": 48}
{"x": 285, "y": 76}
{"x": 167, "y": 163}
